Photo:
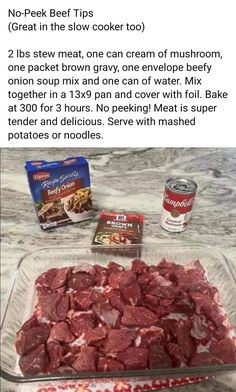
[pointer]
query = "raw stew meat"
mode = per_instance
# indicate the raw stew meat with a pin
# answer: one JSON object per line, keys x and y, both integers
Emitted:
{"x": 95, "y": 318}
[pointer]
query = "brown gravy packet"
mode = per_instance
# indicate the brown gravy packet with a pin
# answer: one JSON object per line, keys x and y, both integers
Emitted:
{"x": 119, "y": 229}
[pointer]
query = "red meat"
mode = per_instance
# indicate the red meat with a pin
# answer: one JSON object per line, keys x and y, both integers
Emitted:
{"x": 184, "y": 339}
{"x": 101, "y": 277}
{"x": 27, "y": 340}
{"x": 86, "y": 360}
{"x": 109, "y": 365}
{"x": 204, "y": 359}
{"x": 70, "y": 355}
{"x": 132, "y": 294}
{"x": 205, "y": 306}
{"x": 91, "y": 324}
{"x": 114, "y": 267}
{"x": 176, "y": 354}
{"x": 53, "y": 279}
{"x": 65, "y": 370}
{"x": 60, "y": 278}
{"x": 45, "y": 279}
{"x": 54, "y": 306}
{"x": 183, "y": 304}
{"x": 62, "y": 333}
{"x": 152, "y": 301}
{"x": 55, "y": 351}
{"x": 170, "y": 327}
{"x": 80, "y": 281}
{"x": 162, "y": 291}
{"x": 203, "y": 288}
{"x": 97, "y": 296}
{"x": 62, "y": 308}
{"x": 121, "y": 279}
{"x": 94, "y": 334}
{"x": 144, "y": 280}
{"x": 139, "y": 266}
{"x": 158, "y": 357}
{"x": 32, "y": 322}
{"x": 106, "y": 313}
{"x": 150, "y": 335}
{"x": 35, "y": 362}
{"x": 138, "y": 316}
{"x": 116, "y": 300}
{"x": 84, "y": 267}
{"x": 80, "y": 322}
{"x": 199, "y": 329}
{"x": 134, "y": 358}
{"x": 118, "y": 340}
{"x": 125, "y": 278}
{"x": 82, "y": 300}
{"x": 225, "y": 350}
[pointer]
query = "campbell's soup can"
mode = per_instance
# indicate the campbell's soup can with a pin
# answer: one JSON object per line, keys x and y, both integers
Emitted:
{"x": 179, "y": 195}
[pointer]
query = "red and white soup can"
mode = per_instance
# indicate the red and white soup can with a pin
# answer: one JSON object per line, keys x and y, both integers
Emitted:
{"x": 179, "y": 195}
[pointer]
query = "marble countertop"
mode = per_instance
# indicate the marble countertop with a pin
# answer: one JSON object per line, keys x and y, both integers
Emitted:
{"x": 127, "y": 180}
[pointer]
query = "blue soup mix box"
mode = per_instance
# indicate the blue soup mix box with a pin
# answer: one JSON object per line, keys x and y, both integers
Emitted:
{"x": 61, "y": 191}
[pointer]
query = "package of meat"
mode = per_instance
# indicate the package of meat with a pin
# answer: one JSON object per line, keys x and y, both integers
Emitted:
{"x": 115, "y": 228}
{"x": 60, "y": 190}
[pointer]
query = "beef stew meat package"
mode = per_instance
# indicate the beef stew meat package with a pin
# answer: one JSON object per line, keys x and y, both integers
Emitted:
{"x": 118, "y": 229}
{"x": 60, "y": 190}
{"x": 100, "y": 318}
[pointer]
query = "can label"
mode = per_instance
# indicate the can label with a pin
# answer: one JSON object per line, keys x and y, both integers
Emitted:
{"x": 177, "y": 205}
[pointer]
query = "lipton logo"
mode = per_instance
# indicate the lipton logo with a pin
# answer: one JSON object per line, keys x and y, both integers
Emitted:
{"x": 41, "y": 176}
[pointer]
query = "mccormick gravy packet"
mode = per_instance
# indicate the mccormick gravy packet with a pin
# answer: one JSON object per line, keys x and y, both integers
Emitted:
{"x": 60, "y": 190}
{"x": 118, "y": 229}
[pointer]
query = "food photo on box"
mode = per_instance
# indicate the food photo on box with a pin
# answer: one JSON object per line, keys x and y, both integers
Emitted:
{"x": 118, "y": 269}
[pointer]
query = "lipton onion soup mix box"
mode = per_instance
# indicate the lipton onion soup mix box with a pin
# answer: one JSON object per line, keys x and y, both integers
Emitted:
{"x": 61, "y": 191}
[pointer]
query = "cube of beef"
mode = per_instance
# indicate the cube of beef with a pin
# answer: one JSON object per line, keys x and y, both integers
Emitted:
{"x": 116, "y": 300}
{"x": 54, "y": 306}
{"x": 94, "y": 334}
{"x": 138, "y": 316}
{"x": 70, "y": 353}
{"x": 80, "y": 322}
{"x": 106, "y": 314}
{"x": 55, "y": 351}
{"x": 114, "y": 267}
{"x": 139, "y": 266}
{"x": 150, "y": 335}
{"x": 80, "y": 281}
{"x": 204, "y": 359}
{"x": 61, "y": 332}
{"x": 27, "y": 340}
{"x": 81, "y": 300}
{"x": 134, "y": 358}
{"x": 35, "y": 362}
{"x": 119, "y": 340}
{"x": 132, "y": 294}
{"x": 158, "y": 357}
{"x": 109, "y": 365}
{"x": 101, "y": 277}
{"x": 185, "y": 340}
{"x": 225, "y": 349}
{"x": 84, "y": 267}
{"x": 86, "y": 360}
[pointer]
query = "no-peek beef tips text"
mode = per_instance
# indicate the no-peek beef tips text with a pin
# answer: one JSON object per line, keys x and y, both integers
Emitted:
{"x": 94, "y": 318}
{"x": 61, "y": 191}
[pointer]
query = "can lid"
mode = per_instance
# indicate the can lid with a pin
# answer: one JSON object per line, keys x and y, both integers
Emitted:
{"x": 181, "y": 185}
